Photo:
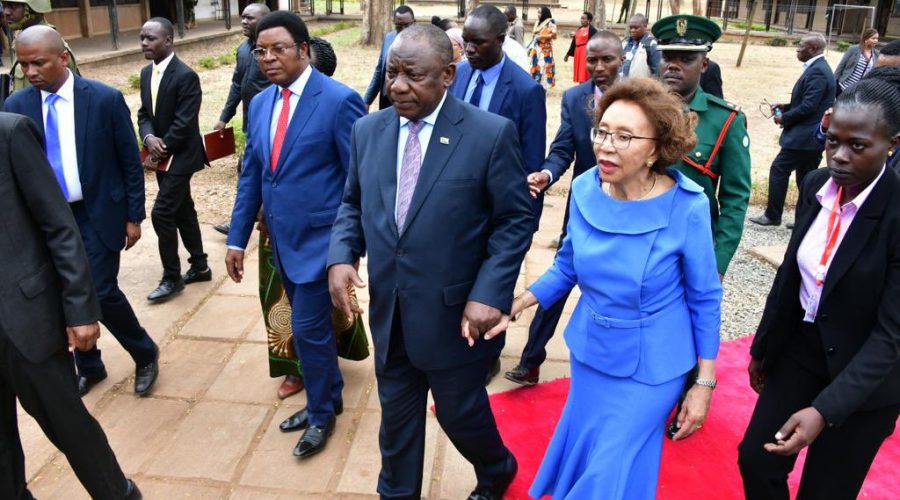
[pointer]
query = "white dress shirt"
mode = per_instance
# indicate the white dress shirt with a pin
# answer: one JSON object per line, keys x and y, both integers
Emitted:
{"x": 424, "y": 138}
{"x": 65, "y": 114}
{"x": 296, "y": 89}
{"x": 812, "y": 60}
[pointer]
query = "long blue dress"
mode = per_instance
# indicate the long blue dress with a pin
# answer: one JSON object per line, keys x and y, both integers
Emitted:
{"x": 650, "y": 305}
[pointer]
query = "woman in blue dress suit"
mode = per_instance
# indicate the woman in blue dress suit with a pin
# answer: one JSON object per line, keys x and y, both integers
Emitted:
{"x": 640, "y": 249}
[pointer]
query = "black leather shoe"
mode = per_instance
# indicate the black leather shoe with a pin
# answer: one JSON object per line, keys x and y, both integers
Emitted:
{"x": 524, "y": 376}
{"x": 300, "y": 419}
{"x": 314, "y": 439}
{"x": 493, "y": 372}
{"x": 145, "y": 376}
{"x": 762, "y": 220}
{"x": 195, "y": 276}
{"x": 85, "y": 383}
{"x": 166, "y": 289}
{"x": 789, "y": 225}
{"x": 501, "y": 485}
{"x": 223, "y": 228}
{"x": 132, "y": 492}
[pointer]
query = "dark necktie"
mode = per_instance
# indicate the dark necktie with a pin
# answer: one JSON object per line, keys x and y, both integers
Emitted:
{"x": 475, "y": 100}
{"x": 54, "y": 149}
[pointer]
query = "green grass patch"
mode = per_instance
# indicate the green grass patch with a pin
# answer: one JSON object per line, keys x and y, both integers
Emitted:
{"x": 777, "y": 42}
{"x": 208, "y": 62}
{"x": 842, "y": 46}
{"x": 227, "y": 59}
{"x": 345, "y": 38}
{"x": 134, "y": 81}
{"x": 742, "y": 25}
{"x": 332, "y": 28}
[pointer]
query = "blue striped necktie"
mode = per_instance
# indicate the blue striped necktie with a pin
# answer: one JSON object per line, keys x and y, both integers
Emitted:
{"x": 51, "y": 136}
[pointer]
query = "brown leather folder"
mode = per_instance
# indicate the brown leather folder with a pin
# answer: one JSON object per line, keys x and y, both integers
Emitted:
{"x": 219, "y": 144}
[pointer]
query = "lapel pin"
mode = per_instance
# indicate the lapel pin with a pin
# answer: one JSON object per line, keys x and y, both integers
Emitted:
{"x": 445, "y": 140}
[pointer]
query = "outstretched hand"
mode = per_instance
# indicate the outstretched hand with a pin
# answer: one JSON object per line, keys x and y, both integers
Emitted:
{"x": 340, "y": 278}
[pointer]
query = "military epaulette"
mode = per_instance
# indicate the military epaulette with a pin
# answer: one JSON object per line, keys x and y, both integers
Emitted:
{"x": 723, "y": 103}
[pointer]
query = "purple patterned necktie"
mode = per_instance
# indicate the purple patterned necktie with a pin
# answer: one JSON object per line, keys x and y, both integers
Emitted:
{"x": 409, "y": 171}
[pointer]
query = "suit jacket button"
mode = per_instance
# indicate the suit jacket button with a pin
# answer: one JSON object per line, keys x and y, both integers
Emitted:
{"x": 831, "y": 351}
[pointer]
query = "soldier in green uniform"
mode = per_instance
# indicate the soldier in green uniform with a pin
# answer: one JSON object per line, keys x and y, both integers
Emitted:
{"x": 21, "y": 14}
{"x": 720, "y": 163}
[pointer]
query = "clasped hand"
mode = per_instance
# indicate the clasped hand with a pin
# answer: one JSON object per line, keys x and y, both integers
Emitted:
{"x": 83, "y": 337}
{"x": 156, "y": 147}
{"x": 481, "y": 319}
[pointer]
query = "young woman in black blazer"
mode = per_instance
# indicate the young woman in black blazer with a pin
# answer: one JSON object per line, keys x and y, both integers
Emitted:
{"x": 826, "y": 357}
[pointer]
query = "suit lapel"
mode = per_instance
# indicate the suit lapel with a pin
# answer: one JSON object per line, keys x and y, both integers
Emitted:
{"x": 309, "y": 101}
{"x": 164, "y": 81}
{"x": 36, "y": 110}
{"x": 437, "y": 155}
{"x": 262, "y": 126}
{"x": 146, "y": 100}
{"x": 388, "y": 172}
{"x": 82, "y": 96}
{"x": 502, "y": 89}
{"x": 857, "y": 236}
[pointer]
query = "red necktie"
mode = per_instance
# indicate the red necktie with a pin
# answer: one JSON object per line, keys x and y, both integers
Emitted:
{"x": 281, "y": 129}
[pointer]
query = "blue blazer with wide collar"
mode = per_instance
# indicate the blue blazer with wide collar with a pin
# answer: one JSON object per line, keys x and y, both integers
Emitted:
{"x": 302, "y": 195}
{"x": 109, "y": 165}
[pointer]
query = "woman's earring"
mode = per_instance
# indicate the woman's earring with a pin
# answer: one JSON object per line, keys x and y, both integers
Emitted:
{"x": 650, "y": 163}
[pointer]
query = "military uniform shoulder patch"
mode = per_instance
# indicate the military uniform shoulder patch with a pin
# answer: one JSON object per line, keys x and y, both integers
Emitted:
{"x": 723, "y": 103}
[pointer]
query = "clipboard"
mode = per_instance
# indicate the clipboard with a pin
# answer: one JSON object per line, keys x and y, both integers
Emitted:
{"x": 149, "y": 163}
{"x": 219, "y": 144}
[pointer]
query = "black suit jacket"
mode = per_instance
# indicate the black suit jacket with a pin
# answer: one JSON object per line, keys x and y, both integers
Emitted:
{"x": 45, "y": 278}
{"x": 859, "y": 310}
{"x": 467, "y": 230}
{"x": 109, "y": 166}
{"x": 812, "y": 95}
{"x": 175, "y": 119}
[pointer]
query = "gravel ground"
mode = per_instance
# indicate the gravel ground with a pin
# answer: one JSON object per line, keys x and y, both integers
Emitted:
{"x": 749, "y": 279}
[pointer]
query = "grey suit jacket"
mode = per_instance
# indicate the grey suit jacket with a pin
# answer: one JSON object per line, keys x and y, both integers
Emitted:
{"x": 45, "y": 280}
{"x": 848, "y": 63}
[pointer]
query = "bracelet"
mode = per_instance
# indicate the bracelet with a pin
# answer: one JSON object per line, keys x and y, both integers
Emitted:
{"x": 705, "y": 382}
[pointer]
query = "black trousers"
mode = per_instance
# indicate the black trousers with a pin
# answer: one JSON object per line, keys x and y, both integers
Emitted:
{"x": 48, "y": 392}
{"x": 786, "y": 162}
{"x": 173, "y": 214}
{"x": 838, "y": 460}
{"x": 462, "y": 409}
{"x": 118, "y": 315}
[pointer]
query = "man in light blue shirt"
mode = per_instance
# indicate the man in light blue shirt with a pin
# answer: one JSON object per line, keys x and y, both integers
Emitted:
{"x": 487, "y": 79}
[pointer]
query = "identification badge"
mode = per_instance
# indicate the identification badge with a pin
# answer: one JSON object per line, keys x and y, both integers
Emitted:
{"x": 812, "y": 305}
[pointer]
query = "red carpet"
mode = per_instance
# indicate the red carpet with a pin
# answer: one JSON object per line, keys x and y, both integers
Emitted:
{"x": 703, "y": 466}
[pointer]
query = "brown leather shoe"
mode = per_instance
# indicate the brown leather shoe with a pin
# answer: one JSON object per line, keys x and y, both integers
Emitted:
{"x": 292, "y": 385}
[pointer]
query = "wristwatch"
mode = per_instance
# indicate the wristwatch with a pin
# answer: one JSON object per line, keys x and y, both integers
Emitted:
{"x": 705, "y": 382}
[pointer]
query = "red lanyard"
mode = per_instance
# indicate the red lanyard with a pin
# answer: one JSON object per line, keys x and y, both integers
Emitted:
{"x": 834, "y": 229}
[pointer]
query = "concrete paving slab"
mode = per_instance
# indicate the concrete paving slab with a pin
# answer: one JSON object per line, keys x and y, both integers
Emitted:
{"x": 56, "y": 480}
{"x": 271, "y": 464}
{"x": 188, "y": 367}
{"x": 226, "y": 317}
{"x": 39, "y": 449}
{"x": 245, "y": 379}
{"x": 248, "y": 493}
{"x": 457, "y": 475}
{"x": 359, "y": 378}
{"x": 210, "y": 442}
{"x": 258, "y": 332}
{"x": 772, "y": 255}
{"x": 138, "y": 427}
{"x": 180, "y": 490}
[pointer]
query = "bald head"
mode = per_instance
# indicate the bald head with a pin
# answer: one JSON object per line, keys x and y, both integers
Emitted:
{"x": 810, "y": 46}
{"x": 43, "y": 57}
{"x": 42, "y": 36}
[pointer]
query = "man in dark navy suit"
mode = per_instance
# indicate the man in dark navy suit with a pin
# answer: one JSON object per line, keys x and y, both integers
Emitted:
{"x": 437, "y": 198}
{"x": 404, "y": 17}
{"x": 572, "y": 143}
{"x": 493, "y": 82}
{"x": 813, "y": 94}
{"x": 91, "y": 143}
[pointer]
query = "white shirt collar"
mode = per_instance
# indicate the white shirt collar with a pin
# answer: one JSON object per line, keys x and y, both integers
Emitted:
{"x": 430, "y": 119}
{"x": 812, "y": 60}
{"x": 66, "y": 92}
{"x": 301, "y": 81}
{"x": 164, "y": 63}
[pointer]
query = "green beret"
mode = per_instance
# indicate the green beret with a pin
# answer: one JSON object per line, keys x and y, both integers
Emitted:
{"x": 684, "y": 32}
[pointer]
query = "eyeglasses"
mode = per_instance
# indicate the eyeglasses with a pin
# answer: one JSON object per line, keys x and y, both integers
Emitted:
{"x": 766, "y": 109}
{"x": 277, "y": 51}
{"x": 619, "y": 140}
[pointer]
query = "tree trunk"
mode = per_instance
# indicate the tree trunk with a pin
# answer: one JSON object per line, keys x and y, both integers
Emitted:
{"x": 598, "y": 9}
{"x": 675, "y": 7}
{"x": 376, "y": 21}
{"x": 471, "y": 5}
{"x": 699, "y": 7}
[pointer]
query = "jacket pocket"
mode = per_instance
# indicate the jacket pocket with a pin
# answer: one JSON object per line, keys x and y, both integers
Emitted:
{"x": 323, "y": 218}
{"x": 455, "y": 295}
{"x": 34, "y": 285}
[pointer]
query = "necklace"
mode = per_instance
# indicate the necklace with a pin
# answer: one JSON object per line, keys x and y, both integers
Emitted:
{"x": 607, "y": 188}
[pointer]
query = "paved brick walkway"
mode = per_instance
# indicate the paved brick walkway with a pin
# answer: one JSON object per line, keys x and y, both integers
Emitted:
{"x": 210, "y": 428}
